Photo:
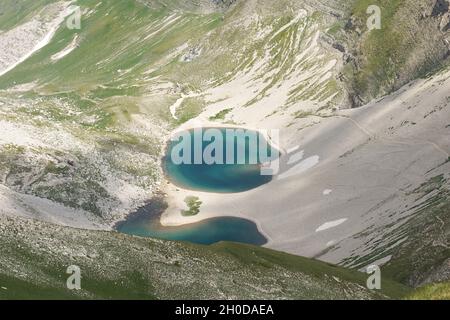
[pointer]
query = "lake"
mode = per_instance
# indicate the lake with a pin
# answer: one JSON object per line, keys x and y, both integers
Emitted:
{"x": 220, "y": 160}
{"x": 238, "y": 169}
{"x": 145, "y": 222}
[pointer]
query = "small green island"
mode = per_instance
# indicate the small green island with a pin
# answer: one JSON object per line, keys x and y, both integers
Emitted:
{"x": 193, "y": 204}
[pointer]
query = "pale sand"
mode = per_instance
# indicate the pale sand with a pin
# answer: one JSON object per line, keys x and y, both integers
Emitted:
{"x": 366, "y": 156}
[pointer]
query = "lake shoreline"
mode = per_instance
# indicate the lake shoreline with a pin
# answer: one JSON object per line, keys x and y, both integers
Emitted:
{"x": 146, "y": 222}
{"x": 239, "y": 174}
{"x": 175, "y": 194}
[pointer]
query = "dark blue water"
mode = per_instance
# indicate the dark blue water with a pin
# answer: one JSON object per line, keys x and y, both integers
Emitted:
{"x": 146, "y": 223}
{"x": 242, "y": 174}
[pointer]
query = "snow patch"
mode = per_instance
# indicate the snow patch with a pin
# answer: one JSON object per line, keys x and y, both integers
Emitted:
{"x": 330, "y": 243}
{"x": 300, "y": 168}
{"x": 331, "y": 224}
{"x": 72, "y": 46}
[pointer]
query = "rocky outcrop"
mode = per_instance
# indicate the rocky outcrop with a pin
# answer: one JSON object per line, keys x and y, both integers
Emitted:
{"x": 440, "y": 7}
{"x": 223, "y": 3}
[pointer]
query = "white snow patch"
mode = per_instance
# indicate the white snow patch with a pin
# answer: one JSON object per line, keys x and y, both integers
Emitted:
{"x": 302, "y": 14}
{"x": 72, "y": 46}
{"x": 293, "y": 149}
{"x": 166, "y": 23}
{"x": 330, "y": 243}
{"x": 336, "y": 279}
{"x": 300, "y": 168}
{"x": 331, "y": 224}
{"x": 296, "y": 157}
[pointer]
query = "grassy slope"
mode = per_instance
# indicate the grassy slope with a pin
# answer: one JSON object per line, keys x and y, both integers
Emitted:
{"x": 426, "y": 250}
{"x": 125, "y": 51}
{"x": 438, "y": 291}
{"x": 36, "y": 255}
{"x": 12, "y": 12}
{"x": 91, "y": 94}
{"x": 112, "y": 39}
{"x": 409, "y": 45}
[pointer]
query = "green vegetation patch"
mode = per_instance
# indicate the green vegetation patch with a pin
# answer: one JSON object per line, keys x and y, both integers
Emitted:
{"x": 409, "y": 45}
{"x": 437, "y": 291}
{"x": 220, "y": 115}
{"x": 189, "y": 109}
{"x": 193, "y": 204}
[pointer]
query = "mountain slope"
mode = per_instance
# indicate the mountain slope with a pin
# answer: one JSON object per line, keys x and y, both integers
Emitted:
{"x": 36, "y": 255}
{"x": 414, "y": 41}
{"x": 440, "y": 291}
{"x": 84, "y": 115}
{"x": 93, "y": 106}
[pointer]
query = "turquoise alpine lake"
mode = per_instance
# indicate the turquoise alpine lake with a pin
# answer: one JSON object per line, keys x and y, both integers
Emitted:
{"x": 238, "y": 155}
{"x": 146, "y": 223}
{"x": 221, "y": 160}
